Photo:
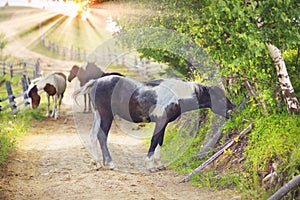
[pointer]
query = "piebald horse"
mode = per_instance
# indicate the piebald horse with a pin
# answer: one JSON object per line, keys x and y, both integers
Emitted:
{"x": 160, "y": 101}
{"x": 54, "y": 85}
{"x": 84, "y": 74}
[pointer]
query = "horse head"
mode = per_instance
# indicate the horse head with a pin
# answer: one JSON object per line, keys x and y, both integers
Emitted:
{"x": 214, "y": 97}
{"x": 34, "y": 96}
{"x": 73, "y": 73}
{"x": 220, "y": 104}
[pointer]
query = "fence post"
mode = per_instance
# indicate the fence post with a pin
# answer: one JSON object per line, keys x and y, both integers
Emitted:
{"x": 117, "y": 56}
{"x": 24, "y": 67}
{"x": 4, "y": 66}
{"x": 85, "y": 56}
{"x": 109, "y": 55}
{"x": 123, "y": 60}
{"x": 11, "y": 70}
{"x": 64, "y": 52}
{"x": 71, "y": 52}
{"x": 78, "y": 53}
{"x": 25, "y": 87}
{"x": 135, "y": 60}
{"x": 36, "y": 71}
{"x": 11, "y": 97}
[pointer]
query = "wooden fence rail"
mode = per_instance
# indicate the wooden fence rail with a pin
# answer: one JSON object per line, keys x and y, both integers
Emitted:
{"x": 32, "y": 70}
{"x": 144, "y": 66}
{"x": 15, "y": 100}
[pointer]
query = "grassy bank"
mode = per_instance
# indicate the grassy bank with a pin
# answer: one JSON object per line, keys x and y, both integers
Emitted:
{"x": 13, "y": 127}
{"x": 272, "y": 146}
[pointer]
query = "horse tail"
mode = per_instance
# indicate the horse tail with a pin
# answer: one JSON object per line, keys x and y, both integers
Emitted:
{"x": 84, "y": 89}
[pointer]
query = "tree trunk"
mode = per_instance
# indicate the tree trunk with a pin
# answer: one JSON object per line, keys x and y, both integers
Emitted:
{"x": 284, "y": 80}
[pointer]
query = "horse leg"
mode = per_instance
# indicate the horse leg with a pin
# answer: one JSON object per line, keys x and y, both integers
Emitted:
{"x": 57, "y": 112}
{"x": 54, "y": 105}
{"x": 153, "y": 162}
{"x": 93, "y": 136}
{"x": 84, "y": 99}
{"x": 89, "y": 102}
{"x": 102, "y": 137}
{"x": 48, "y": 106}
{"x": 101, "y": 126}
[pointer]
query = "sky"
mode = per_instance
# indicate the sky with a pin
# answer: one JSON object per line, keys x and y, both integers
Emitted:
{"x": 68, "y": 8}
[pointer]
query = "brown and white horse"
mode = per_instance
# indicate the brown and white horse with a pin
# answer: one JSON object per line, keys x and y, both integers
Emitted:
{"x": 54, "y": 85}
{"x": 84, "y": 74}
{"x": 160, "y": 101}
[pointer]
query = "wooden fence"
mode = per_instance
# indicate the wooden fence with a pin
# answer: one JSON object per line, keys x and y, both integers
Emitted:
{"x": 144, "y": 67}
{"x": 15, "y": 101}
{"x": 32, "y": 70}
{"x": 26, "y": 70}
{"x": 105, "y": 56}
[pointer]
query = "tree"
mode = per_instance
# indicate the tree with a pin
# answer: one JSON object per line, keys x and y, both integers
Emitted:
{"x": 284, "y": 80}
{"x": 235, "y": 34}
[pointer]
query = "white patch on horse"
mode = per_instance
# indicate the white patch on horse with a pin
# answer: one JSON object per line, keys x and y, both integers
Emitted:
{"x": 154, "y": 163}
{"x": 170, "y": 91}
{"x": 157, "y": 152}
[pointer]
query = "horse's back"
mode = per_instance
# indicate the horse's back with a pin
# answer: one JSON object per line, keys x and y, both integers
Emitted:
{"x": 93, "y": 71}
{"x": 62, "y": 75}
{"x": 60, "y": 83}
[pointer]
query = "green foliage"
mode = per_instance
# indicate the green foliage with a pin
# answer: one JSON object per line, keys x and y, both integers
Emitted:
{"x": 234, "y": 33}
{"x": 13, "y": 127}
{"x": 183, "y": 164}
{"x": 292, "y": 60}
{"x": 216, "y": 181}
{"x": 275, "y": 139}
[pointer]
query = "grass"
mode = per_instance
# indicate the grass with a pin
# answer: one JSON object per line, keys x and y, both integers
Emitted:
{"x": 274, "y": 139}
{"x": 13, "y": 127}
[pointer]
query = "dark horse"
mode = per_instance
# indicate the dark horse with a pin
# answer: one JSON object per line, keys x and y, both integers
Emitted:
{"x": 160, "y": 101}
{"x": 86, "y": 73}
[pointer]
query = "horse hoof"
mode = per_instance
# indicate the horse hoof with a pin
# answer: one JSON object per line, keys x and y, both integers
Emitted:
{"x": 97, "y": 164}
{"x": 152, "y": 170}
{"x": 162, "y": 167}
{"x": 109, "y": 165}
